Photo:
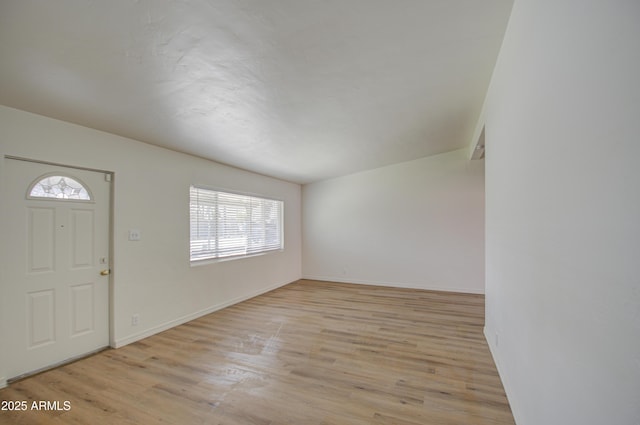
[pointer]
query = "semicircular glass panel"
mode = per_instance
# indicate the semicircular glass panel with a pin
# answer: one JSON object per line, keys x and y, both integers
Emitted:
{"x": 59, "y": 187}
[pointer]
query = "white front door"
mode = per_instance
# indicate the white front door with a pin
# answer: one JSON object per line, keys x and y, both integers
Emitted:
{"x": 56, "y": 264}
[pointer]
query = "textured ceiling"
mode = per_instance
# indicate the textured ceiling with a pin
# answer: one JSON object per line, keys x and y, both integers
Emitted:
{"x": 302, "y": 90}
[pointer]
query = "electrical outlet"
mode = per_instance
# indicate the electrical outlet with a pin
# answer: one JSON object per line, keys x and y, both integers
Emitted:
{"x": 135, "y": 320}
{"x": 135, "y": 235}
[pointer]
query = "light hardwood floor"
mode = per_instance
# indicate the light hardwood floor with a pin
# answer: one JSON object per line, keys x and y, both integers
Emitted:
{"x": 308, "y": 353}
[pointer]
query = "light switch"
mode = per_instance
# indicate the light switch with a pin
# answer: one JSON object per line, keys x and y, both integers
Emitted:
{"x": 134, "y": 235}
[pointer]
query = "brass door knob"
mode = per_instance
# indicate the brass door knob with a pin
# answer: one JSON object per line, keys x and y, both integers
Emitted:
{"x": 105, "y": 272}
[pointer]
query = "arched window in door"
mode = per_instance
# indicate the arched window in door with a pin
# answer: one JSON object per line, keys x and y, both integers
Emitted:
{"x": 56, "y": 186}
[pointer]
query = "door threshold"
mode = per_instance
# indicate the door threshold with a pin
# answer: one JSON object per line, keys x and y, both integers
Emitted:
{"x": 55, "y": 365}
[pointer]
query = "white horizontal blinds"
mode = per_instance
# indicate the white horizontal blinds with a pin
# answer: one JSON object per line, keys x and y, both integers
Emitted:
{"x": 227, "y": 224}
{"x": 203, "y": 214}
{"x": 265, "y": 225}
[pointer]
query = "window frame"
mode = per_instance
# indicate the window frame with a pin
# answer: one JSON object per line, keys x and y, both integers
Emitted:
{"x": 215, "y": 255}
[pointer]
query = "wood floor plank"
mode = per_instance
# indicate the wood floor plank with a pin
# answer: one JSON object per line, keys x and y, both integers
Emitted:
{"x": 308, "y": 353}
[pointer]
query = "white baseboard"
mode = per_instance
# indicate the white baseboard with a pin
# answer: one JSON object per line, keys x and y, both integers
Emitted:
{"x": 189, "y": 317}
{"x": 485, "y": 330}
{"x": 503, "y": 377}
{"x": 395, "y": 284}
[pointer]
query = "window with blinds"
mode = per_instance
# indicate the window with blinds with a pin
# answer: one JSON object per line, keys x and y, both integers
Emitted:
{"x": 227, "y": 225}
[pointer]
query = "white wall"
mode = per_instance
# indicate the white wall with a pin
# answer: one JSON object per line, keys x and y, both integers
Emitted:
{"x": 416, "y": 224}
{"x": 563, "y": 212}
{"x": 153, "y": 277}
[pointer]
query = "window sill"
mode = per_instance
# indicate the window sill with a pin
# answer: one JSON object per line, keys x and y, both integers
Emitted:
{"x": 207, "y": 261}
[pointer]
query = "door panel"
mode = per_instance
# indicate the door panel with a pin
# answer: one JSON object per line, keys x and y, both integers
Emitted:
{"x": 41, "y": 236}
{"x": 82, "y": 237}
{"x": 40, "y": 318}
{"x": 82, "y": 308}
{"x": 56, "y": 299}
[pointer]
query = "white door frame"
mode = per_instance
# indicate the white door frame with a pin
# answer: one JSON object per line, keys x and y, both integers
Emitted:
{"x": 4, "y": 320}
